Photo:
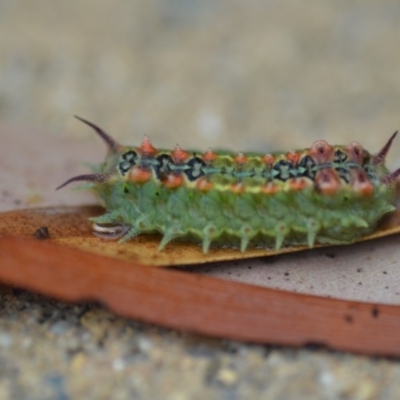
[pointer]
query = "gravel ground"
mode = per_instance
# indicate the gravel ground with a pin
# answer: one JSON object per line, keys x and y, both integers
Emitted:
{"x": 52, "y": 350}
{"x": 245, "y": 75}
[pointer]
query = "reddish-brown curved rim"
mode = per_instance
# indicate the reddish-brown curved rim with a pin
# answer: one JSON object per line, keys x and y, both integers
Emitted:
{"x": 198, "y": 303}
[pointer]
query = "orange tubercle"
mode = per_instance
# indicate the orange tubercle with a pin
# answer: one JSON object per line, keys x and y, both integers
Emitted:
{"x": 179, "y": 155}
{"x": 321, "y": 152}
{"x": 270, "y": 188}
{"x": 269, "y": 159}
{"x": 209, "y": 156}
{"x": 173, "y": 181}
{"x": 297, "y": 184}
{"x": 147, "y": 148}
{"x": 204, "y": 185}
{"x": 355, "y": 152}
{"x": 238, "y": 188}
{"x": 327, "y": 181}
{"x": 293, "y": 157}
{"x": 361, "y": 183}
{"x": 240, "y": 158}
{"x": 139, "y": 175}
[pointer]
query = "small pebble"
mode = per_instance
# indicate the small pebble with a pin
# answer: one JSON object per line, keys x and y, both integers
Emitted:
{"x": 227, "y": 376}
{"x": 60, "y": 327}
{"x": 5, "y": 339}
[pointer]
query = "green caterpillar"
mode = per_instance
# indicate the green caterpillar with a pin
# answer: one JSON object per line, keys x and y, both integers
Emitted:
{"x": 323, "y": 194}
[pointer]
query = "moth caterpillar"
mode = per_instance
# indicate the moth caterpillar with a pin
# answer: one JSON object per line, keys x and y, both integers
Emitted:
{"x": 322, "y": 194}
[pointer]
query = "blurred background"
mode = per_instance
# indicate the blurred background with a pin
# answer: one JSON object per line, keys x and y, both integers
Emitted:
{"x": 241, "y": 74}
{"x": 251, "y": 74}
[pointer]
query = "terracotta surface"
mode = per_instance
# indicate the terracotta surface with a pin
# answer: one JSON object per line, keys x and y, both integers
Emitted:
{"x": 204, "y": 305}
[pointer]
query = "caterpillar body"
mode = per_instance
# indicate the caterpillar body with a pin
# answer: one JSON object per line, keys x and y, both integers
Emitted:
{"x": 322, "y": 194}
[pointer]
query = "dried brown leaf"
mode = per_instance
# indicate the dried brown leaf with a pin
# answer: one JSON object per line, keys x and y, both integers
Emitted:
{"x": 70, "y": 226}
